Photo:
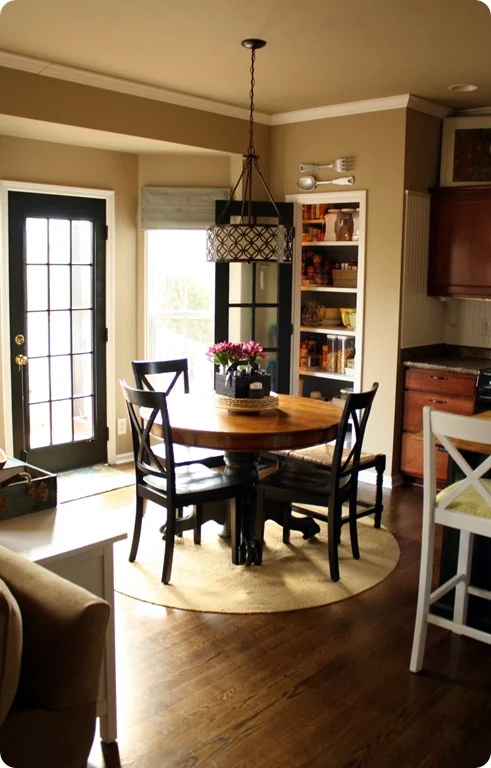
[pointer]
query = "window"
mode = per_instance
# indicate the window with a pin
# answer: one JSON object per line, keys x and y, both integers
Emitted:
{"x": 180, "y": 300}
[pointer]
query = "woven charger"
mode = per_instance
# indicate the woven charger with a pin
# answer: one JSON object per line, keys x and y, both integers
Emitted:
{"x": 247, "y": 404}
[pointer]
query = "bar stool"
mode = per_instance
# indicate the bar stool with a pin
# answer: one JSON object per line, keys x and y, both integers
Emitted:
{"x": 465, "y": 506}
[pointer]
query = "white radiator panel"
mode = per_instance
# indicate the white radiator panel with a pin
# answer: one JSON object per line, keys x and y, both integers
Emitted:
{"x": 422, "y": 316}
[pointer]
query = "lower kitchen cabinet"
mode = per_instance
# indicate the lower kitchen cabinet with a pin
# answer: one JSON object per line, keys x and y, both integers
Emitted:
{"x": 442, "y": 390}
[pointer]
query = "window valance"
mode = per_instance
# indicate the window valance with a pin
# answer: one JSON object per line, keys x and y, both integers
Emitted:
{"x": 179, "y": 207}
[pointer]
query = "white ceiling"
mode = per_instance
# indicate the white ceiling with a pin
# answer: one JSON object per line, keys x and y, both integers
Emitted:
{"x": 319, "y": 53}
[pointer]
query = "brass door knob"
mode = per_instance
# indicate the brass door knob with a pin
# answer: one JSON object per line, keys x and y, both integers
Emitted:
{"x": 21, "y": 359}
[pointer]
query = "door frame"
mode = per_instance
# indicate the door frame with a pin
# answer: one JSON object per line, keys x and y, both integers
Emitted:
{"x": 54, "y": 189}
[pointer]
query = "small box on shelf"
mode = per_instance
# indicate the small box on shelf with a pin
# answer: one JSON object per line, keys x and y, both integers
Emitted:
{"x": 345, "y": 278}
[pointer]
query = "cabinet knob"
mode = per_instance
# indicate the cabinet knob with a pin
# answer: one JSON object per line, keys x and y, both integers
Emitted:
{"x": 440, "y": 402}
{"x": 439, "y": 378}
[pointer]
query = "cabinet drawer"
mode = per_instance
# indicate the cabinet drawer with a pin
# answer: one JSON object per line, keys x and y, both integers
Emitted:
{"x": 412, "y": 458}
{"x": 414, "y": 402}
{"x": 433, "y": 380}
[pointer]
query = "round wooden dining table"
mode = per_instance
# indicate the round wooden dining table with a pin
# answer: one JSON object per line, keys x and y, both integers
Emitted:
{"x": 297, "y": 422}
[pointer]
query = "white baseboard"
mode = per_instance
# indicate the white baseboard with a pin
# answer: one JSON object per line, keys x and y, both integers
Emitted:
{"x": 370, "y": 476}
{"x": 124, "y": 458}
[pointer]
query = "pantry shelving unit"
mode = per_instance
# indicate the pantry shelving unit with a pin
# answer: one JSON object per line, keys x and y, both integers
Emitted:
{"x": 305, "y": 379}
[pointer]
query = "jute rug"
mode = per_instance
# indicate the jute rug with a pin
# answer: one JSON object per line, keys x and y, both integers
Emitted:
{"x": 292, "y": 577}
{"x": 89, "y": 481}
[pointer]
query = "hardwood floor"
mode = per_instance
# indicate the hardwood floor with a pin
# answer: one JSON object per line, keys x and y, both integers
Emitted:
{"x": 321, "y": 688}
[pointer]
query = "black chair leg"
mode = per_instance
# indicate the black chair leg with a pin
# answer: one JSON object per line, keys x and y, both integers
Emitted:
{"x": 140, "y": 509}
{"x": 333, "y": 532}
{"x": 170, "y": 534}
{"x": 353, "y": 528}
{"x": 380, "y": 469}
{"x": 235, "y": 529}
{"x": 287, "y": 517}
{"x": 198, "y": 521}
{"x": 259, "y": 528}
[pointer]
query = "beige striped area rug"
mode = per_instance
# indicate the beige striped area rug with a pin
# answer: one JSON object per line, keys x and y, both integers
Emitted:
{"x": 291, "y": 577}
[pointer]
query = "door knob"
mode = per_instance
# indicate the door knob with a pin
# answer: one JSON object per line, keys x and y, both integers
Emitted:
{"x": 21, "y": 359}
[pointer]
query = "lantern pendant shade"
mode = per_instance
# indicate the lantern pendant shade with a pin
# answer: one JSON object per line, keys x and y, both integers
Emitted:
{"x": 249, "y": 240}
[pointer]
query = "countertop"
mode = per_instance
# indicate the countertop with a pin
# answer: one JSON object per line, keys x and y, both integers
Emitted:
{"x": 454, "y": 364}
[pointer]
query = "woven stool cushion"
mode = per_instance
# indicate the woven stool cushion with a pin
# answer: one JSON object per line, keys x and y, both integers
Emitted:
{"x": 320, "y": 454}
{"x": 470, "y": 502}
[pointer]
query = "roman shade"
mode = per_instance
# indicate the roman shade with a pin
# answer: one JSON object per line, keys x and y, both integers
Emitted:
{"x": 179, "y": 207}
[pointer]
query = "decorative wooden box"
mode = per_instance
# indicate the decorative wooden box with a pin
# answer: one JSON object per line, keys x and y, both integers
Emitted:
{"x": 237, "y": 384}
{"x": 30, "y": 489}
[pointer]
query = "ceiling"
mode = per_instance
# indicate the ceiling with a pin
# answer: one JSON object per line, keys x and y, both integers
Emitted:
{"x": 319, "y": 53}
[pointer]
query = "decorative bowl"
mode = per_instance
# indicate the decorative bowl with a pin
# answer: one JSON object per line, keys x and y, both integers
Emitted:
{"x": 345, "y": 317}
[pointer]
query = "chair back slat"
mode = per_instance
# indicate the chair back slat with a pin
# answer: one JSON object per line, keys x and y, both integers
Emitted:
{"x": 356, "y": 412}
{"x": 441, "y": 428}
{"x": 163, "y": 369}
{"x": 146, "y": 409}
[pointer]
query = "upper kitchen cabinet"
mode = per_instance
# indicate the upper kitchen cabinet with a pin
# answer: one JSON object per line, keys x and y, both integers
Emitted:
{"x": 460, "y": 242}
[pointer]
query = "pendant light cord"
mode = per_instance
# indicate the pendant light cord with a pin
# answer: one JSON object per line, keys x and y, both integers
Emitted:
{"x": 251, "y": 150}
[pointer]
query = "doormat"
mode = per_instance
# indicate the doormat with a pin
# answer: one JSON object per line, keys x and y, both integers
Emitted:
{"x": 90, "y": 481}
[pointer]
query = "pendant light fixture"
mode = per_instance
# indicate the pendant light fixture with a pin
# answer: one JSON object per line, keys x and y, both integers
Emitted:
{"x": 248, "y": 240}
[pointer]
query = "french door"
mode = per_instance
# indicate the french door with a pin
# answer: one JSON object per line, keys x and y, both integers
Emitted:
{"x": 254, "y": 301}
{"x": 57, "y": 329}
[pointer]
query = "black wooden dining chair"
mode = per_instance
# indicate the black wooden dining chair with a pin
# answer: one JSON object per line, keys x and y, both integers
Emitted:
{"x": 160, "y": 480}
{"x": 165, "y": 376}
{"x": 298, "y": 483}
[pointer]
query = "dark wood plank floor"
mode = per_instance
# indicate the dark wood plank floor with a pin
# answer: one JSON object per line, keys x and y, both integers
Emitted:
{"x": 322, "y": 688}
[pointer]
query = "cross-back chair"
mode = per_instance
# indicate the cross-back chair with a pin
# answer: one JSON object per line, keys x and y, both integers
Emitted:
{"x": 464, "y": 505}
{"x": 166, "y": 376}
{"x": 159, "y": 480}
{"x": 298, "y": 483}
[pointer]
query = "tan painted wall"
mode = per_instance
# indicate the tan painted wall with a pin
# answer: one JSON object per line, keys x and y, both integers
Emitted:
{"x": 377, "y": 140}
{"x": 41, "y": 162}
{"x": 422, "y": 162}
{"x": 43, "y": 98}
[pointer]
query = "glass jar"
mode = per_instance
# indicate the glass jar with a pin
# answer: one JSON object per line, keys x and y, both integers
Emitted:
{"x": 343, "y": 226}
{"x": 356, "y": 224}
{"x": 330, "y": 220}
{"x": 346, "y": 352}
{"x": 332, "y": 354}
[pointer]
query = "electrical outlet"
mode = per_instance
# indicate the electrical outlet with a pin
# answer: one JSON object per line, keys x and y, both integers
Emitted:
{"x": 486, "y": 326}
{"x": 121, "y": 426}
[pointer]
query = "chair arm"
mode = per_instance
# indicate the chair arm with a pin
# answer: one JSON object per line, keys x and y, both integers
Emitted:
{"x": 64, "y": 632}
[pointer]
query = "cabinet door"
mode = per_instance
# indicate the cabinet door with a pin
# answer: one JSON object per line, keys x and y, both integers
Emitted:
{"x": 460, "y": 242}
{"x": 414, "y": 402}
{"x": 412, "y": 458}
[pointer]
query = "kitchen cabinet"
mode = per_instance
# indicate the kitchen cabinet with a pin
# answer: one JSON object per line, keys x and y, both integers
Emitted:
{"x": 328, "y": 277}
{"x": 442, "y": 390}
{"x": 460, "y": 242}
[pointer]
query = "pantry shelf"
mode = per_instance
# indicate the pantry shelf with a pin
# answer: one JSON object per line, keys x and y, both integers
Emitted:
{"x": 319, "y": 373}
{"x": 327, "y": 289}
{"x": 338, "y": 330}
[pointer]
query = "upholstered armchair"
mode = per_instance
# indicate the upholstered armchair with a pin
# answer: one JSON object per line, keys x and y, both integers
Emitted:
{"x": 52, "y": 636}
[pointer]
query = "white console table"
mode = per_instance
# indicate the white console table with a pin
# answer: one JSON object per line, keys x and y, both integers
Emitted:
{"x": 76, "y": 542}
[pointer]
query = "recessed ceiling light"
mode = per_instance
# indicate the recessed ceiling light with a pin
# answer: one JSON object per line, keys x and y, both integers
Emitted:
{"x": 462, "y": 87}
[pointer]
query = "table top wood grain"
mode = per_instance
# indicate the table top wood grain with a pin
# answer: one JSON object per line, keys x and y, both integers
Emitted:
{"x": 296, "y": 423}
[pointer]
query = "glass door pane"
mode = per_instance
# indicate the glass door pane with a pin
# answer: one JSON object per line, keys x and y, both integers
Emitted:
{"x": 60, "y": 306}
